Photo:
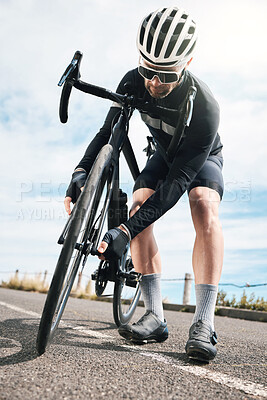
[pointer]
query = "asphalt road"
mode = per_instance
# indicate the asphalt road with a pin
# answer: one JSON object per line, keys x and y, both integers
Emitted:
{"x": 89, "y": 360}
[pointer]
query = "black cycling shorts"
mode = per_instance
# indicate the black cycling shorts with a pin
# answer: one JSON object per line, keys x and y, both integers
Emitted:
{"x": 156, "y": 170}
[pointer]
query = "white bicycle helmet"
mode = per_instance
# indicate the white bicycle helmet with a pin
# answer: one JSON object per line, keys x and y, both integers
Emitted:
{"x": 167, "y": 37}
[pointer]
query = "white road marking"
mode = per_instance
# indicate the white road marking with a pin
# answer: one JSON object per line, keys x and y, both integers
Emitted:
{"x": 218, "y": 377}
{"x": 18, "y": 309}
{"x": 90, "y": 332}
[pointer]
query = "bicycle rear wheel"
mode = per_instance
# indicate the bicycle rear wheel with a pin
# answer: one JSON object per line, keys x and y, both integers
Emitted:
{"x": 126, "y": 292}
{"x": 75, "y": 248}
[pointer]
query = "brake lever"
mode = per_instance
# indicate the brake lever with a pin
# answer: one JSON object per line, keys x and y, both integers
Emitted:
{"x": 69, "y": 72}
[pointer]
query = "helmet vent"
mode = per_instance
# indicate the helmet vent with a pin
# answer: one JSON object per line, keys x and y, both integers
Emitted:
{"x": 183, "y": 47}
{"x": 159, "y": 45}
{"x": 149, "y": 42}
{"x": 142, "y": 34}
{"x": 169, "y": 49}
{"x": 155, "y": 23}
{"x": 173, "y": 13}
{"x": 190, "y": 50}
{"x": 166, "y": 25}
{"x": 143, "y": 29}
{"x": 178, "y": 29}
{"x": 151, "y": 33}
{"x": 191, "y": 30}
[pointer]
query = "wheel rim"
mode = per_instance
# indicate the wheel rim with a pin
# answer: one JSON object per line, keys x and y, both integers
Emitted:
{"x": 126, "y": 297}
{"x": 127, "y": 306}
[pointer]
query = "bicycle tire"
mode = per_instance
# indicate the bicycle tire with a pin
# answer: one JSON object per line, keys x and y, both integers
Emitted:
{"x": 66, "y": 269}
{"x": 124, "y": 304}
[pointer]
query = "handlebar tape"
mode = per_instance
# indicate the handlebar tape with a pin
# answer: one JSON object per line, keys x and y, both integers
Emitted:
{"x": 64, "y": 101}
{"x": 94, "y": 90}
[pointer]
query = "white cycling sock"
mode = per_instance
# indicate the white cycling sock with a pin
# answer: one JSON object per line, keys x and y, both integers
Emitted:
{"x": 150, "y": 289}
{"x": 206, "y": 296}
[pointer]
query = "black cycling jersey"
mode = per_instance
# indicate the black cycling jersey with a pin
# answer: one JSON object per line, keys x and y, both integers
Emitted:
{"x": 200, "y": 140}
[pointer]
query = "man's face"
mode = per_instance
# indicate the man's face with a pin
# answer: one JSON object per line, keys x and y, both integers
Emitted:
{"x": 155, "y": 87}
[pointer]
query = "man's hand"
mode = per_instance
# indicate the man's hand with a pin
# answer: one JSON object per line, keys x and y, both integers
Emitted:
{"x": 113, "y": 244}
{"x": 67, "y": 202}
{"x": 75, "y": 187}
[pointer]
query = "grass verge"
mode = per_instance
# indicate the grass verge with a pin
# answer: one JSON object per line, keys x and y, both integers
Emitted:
{"x": 247, "y": 303}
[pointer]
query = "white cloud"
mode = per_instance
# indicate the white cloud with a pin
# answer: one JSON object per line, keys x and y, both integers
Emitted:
{"x": 232, "y": 35}
{"x": 38, "y": 40}
{"x": 242, "y": 129}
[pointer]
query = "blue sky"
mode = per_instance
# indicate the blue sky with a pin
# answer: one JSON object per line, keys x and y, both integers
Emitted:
{"x": 38, "y": 153}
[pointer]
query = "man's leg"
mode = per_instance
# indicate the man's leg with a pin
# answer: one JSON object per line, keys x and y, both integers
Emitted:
{"x": 146, "y": 260}
{"x": 207, "y": 256}
{"x": 144, "y": 249}
{"x": 209, "y": 246}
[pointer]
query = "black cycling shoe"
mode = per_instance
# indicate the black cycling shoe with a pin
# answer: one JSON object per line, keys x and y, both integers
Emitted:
{"x": 148, "y": 328}
{"x": 201, "y": 343}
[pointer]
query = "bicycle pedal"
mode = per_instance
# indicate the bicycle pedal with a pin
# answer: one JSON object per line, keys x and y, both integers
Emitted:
{"x": 133, "y": 278}
{"x": 130, "y": 283}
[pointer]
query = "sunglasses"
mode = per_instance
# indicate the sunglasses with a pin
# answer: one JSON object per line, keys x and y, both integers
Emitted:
{"x": 163, "y": 76}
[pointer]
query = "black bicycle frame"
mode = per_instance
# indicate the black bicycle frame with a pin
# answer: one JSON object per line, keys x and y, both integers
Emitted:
{"x": 117, "y": 141}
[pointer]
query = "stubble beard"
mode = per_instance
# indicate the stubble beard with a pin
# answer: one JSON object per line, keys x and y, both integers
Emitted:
{"x": 163, "y": 92}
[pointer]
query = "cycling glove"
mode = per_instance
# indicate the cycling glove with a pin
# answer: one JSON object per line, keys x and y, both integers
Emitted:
{"x": 77, "y": 182}
{"x": 117, "y": 241}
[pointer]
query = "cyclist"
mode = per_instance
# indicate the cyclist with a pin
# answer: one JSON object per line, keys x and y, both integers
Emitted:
{"x": 166, "y": 41}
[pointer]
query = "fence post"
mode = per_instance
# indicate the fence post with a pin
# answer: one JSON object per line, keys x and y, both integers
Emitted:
{"x": 79, "y": 282}
{"x": 187, "y": 288}
{"x": 89, "y": 289}
{"x": 45, "y": 275}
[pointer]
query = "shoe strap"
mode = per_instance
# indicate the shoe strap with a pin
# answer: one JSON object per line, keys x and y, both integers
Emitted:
{"x": 203, "y": 328}
{"x": 141, "y": 320}
{"x": 213, "y": 338}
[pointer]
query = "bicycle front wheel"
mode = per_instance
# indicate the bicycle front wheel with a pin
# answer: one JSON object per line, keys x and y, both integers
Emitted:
{"x": 74, "y": 240}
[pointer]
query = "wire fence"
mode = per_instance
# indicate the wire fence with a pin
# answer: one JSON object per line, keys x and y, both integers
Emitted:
{"x": 242, "y": 286}
{"x": 246, "y": 285}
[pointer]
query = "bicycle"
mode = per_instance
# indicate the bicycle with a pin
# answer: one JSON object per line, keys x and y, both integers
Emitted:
{"x": 98, "y": 205}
